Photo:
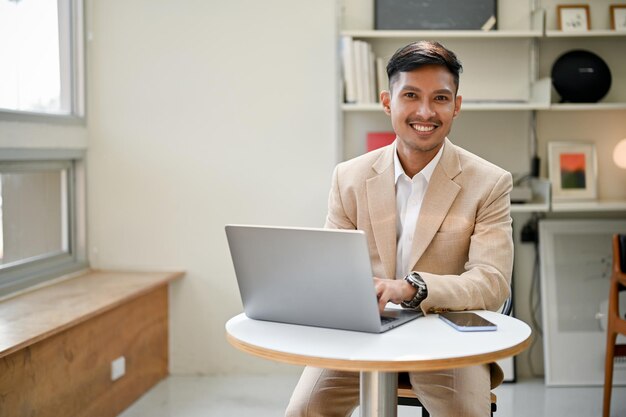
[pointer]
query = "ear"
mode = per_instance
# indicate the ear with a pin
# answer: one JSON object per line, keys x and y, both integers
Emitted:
{"x": 457, "y": 105}
{"x": 385, "y": 100}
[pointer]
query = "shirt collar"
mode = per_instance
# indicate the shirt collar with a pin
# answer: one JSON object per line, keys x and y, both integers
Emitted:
{"x": 427, "y": 171}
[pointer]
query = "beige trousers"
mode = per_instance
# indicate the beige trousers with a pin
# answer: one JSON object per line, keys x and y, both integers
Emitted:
{"x": 461, "y": 392}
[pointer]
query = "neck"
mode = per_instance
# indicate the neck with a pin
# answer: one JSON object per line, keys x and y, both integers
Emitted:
{"x": 413, "y": 160}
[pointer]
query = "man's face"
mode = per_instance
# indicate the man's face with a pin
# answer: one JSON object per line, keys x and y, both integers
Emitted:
{"x": 422, "y": 104}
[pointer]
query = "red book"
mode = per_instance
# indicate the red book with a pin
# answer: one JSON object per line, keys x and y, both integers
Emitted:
{"x": 377, "y": 140}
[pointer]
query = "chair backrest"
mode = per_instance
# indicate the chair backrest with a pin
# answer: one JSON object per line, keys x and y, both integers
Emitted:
{"x": 507, "y": 307}
{"x": 621, "y": 241}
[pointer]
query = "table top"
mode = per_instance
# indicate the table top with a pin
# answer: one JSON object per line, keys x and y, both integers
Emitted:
{"x": 424, "y": 344}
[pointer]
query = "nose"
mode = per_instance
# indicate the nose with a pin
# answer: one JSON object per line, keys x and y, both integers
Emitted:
{"x": 424, "y": 110}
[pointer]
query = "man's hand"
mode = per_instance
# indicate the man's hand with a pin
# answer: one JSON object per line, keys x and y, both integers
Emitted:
{"x": 394, "y": 290}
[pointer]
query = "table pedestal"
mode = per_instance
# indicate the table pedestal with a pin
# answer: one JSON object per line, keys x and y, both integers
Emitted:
{"x": 379, "y": 395}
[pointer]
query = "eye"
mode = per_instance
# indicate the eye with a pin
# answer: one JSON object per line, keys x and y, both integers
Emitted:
{"x": 441, "y": 98}
{"x": 410, "y": 95}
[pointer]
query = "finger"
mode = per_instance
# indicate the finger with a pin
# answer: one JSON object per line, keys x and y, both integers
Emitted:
{"x": 382, "y": 302}
{"x": 379, "y": 290}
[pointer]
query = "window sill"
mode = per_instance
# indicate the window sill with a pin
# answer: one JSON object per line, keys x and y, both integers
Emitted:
{"x": 36, "y": 315}
{"x": 49, "y": 118}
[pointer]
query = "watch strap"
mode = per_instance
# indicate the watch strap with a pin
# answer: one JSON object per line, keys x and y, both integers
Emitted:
{"x": 418, "y": 283}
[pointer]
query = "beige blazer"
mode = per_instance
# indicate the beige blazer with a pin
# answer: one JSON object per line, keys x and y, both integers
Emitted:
{"x": 462, "y": 247}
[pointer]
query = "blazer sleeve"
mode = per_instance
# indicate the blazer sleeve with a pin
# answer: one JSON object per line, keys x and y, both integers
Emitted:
{"x": 337, "y": 217}
{"x": 485, "y": 282}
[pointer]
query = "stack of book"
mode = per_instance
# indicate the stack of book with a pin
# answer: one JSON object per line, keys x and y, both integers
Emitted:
{"x": 364, "y": 75}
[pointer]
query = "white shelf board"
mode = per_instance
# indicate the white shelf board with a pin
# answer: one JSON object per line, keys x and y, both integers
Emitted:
{"x": 362, "y": 107}
{"x": 530, "y": 208}
{"x": 503, "y": 105}
{"x": 585, "y": 206}
{"x": 541, "y": 196}
{"x": 498, "y": 106}
{"x": 441, "y": 34}
{"x": 466, "y": 106}
{"x": 479, "y": 34}
{"x": 598, "y": 33}
{"x": 586, "y": 106}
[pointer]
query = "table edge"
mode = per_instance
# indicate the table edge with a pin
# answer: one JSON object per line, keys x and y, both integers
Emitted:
{"x": 385, "y": 366}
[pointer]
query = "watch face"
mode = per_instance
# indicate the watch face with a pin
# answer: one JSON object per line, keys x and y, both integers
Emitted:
{"x": 422, "y": 291}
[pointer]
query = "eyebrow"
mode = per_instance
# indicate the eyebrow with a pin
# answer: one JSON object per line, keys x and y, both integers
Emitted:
{"x": 416, "y": 89}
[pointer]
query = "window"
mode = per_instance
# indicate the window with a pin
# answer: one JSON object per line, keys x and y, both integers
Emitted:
{"x": 41, "y": 63}
{"x": 41, "y": 221}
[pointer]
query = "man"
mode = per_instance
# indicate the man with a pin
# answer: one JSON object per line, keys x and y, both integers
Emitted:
{"x": 438, "y": 223}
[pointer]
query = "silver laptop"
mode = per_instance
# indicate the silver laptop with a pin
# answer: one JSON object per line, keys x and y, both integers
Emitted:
{"x": 313, "y": 277}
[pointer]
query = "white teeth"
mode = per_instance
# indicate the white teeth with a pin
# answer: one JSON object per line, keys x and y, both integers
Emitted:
{"x": 423, "y": 128}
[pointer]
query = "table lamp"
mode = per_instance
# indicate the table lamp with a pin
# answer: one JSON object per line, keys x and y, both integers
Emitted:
{"x": 619, "y": 154}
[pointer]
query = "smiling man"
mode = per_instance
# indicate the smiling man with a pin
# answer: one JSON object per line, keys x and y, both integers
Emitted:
{"x": 438, "y": 224}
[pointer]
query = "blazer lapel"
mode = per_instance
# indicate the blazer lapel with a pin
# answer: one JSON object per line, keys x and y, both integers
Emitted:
{"x": 440, "y": 195}
{"x": 381, "y": 200}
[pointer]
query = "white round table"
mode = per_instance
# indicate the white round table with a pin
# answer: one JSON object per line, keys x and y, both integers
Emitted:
{"x": 424, "y": 344}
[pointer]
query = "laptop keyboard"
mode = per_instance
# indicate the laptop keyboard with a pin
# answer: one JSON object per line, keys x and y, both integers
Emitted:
{"x": 384, "y": 320}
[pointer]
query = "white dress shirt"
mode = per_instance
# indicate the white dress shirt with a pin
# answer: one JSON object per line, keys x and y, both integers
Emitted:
{"x": 409, "y": 197}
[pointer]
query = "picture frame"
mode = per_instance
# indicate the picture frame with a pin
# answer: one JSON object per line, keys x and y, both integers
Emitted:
{"x": 573, "y": 17}
{"x": 618, "y": 17}
{"x": 575, "y": 265}
{"x": 572, "y": 170}
{"x": 435, "y": 14}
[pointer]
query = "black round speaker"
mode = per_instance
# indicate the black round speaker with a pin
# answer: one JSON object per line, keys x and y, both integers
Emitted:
{"x": 581, "y": 77}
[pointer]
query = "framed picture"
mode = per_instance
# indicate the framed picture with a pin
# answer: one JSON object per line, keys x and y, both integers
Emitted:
{"x": 575, "y": 263}
{"x": 573, "y": 17}
{"x": 435, "y": 14}
{"x": 618, "y": 17}
{"x": 572, "y": 170}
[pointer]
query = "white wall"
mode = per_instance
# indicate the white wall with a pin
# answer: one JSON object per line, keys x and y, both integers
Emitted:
{"x": 203, "y": 113}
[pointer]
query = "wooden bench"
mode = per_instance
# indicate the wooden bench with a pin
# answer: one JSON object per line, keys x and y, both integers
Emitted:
{"x": 57, "y": 344}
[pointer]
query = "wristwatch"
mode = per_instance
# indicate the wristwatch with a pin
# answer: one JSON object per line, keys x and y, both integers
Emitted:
{"x": 418, "y": 283}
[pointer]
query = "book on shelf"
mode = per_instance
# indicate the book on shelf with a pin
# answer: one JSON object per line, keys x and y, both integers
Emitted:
{"x": 348, "y": 69}
{"x": 360, "y": 70}
{"x": 381, "y": 75}
{"x": 371, "y": 75}
{"x": 377, "y": 140}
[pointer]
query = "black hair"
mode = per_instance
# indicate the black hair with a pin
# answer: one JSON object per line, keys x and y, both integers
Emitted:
{"x": 421, "y": 53}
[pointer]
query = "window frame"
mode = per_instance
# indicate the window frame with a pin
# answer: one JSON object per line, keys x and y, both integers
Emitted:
{"x": 34, "y": 271}
{"x": 72, "y": 58}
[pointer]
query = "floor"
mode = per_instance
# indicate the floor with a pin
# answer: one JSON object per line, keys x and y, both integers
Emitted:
{"x": 266, "y": 396}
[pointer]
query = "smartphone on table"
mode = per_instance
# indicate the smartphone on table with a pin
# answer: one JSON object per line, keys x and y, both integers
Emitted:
{"x": 466, "y": 321}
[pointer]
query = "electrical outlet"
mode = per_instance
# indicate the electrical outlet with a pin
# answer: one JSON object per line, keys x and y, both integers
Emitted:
{"x": 118, "y": 368}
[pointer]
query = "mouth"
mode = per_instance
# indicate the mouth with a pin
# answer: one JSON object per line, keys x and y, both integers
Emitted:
{"x": 423, "y": 128}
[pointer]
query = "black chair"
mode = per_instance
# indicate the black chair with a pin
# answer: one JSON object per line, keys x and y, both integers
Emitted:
{"x": 615, "y": 324}
{"x": 406, "y": 396}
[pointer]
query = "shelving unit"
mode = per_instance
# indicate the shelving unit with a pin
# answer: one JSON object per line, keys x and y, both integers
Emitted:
{"x": 506, "y": 86}
{"x": 510, "y": 110}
